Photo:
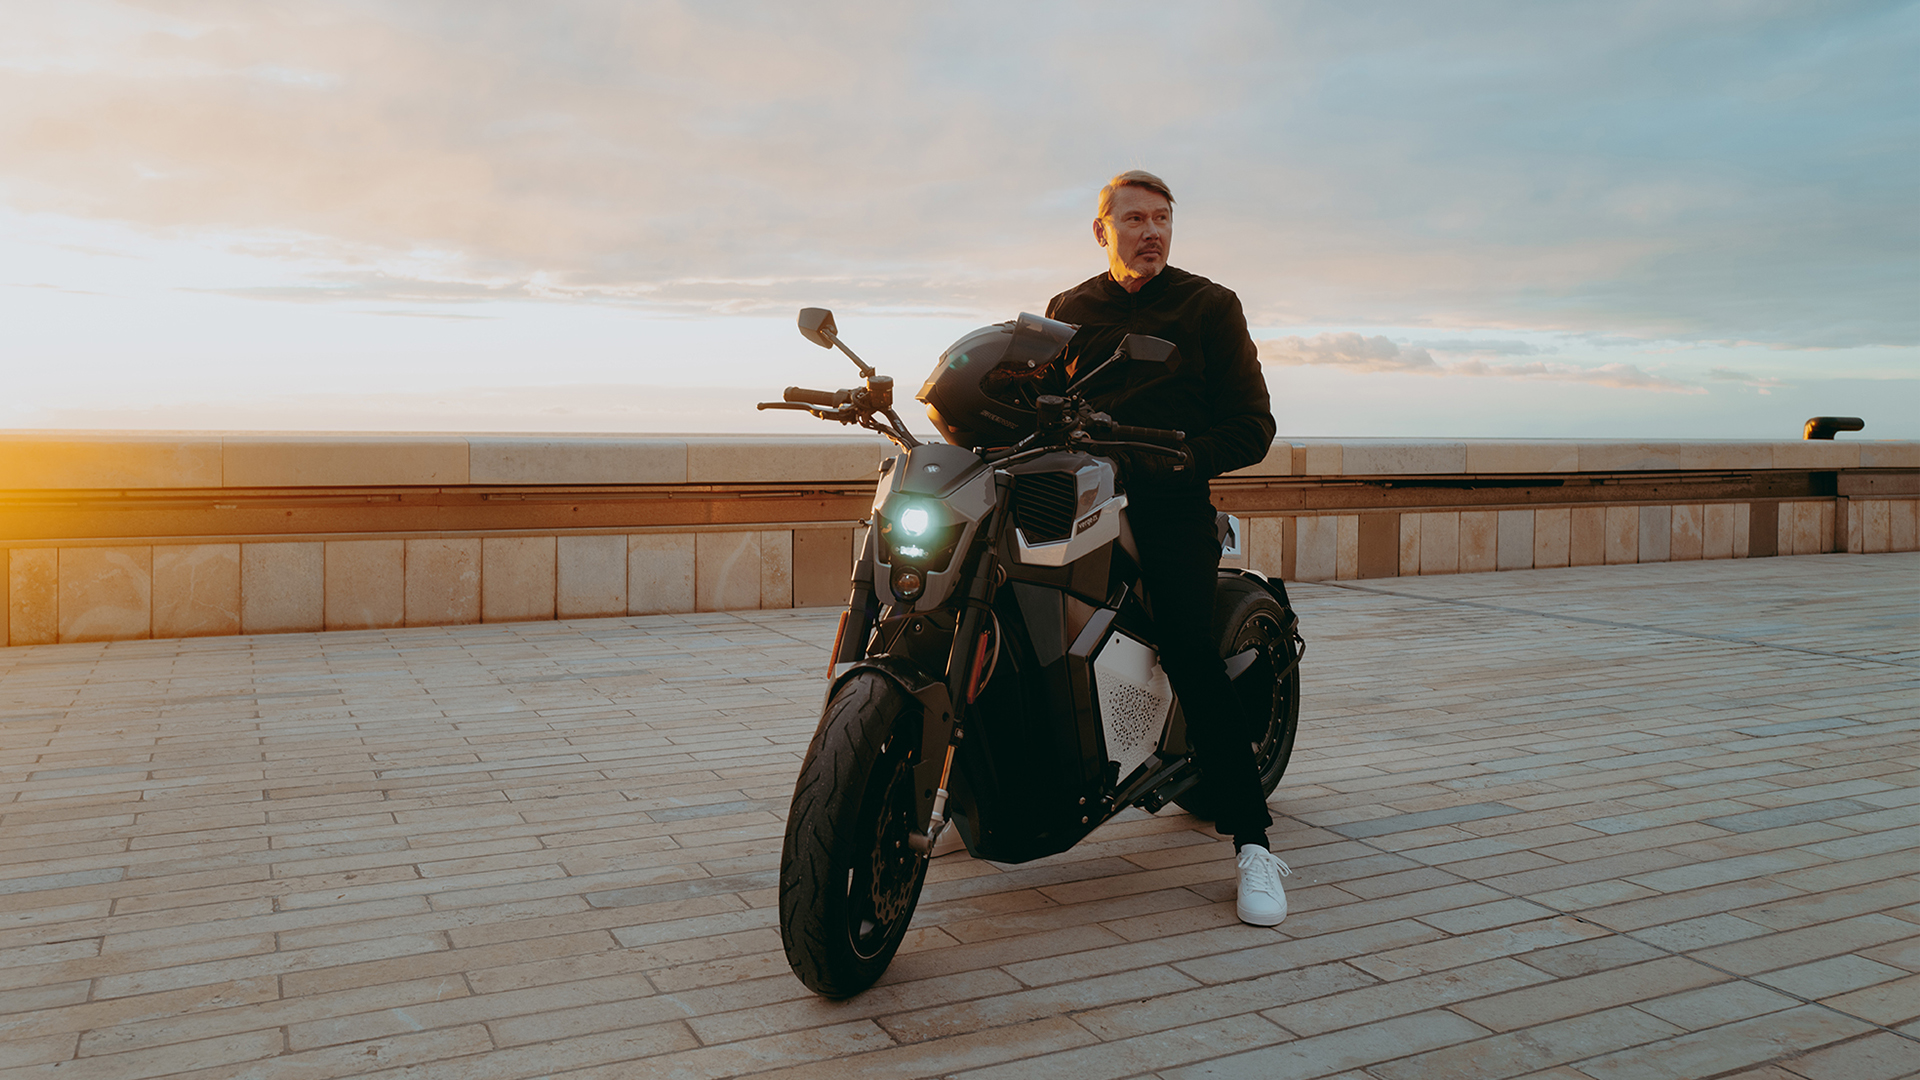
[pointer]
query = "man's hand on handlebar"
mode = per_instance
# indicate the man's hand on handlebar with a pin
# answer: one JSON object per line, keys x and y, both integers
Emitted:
{"x": 1149, "y": 465}
{"x": 1143, "y": 454}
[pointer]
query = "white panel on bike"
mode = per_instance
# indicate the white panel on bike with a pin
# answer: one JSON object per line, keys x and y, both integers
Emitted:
{"x": 1135, "y": 700}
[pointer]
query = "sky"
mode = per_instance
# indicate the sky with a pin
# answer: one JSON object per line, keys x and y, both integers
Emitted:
{"x": 1604, "y": 220}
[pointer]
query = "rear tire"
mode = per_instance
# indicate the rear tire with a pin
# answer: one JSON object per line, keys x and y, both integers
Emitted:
{"x": 1247, "y": 616}
{"x": 848, "y": 879}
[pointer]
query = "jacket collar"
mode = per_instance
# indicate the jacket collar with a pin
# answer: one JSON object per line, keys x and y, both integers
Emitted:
{"x": 1155, "y": 285}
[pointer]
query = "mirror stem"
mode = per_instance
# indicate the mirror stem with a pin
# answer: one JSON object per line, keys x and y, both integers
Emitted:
{"x": 865, "y": 371}
{"x": 1084, "y": 379}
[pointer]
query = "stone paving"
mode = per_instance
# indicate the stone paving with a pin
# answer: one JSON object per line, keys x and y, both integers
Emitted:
{"x": 1610, "y": 822}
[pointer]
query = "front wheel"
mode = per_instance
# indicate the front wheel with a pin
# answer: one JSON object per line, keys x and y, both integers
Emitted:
{"x": 848, "y": 878}
{"x": 1246, "y": 616}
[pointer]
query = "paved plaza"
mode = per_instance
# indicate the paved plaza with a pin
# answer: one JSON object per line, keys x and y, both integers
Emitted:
{"x": 1610, "y": 822}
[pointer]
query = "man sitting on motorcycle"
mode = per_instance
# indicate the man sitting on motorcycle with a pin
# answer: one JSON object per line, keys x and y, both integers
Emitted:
{"x": 1218, "y": 396}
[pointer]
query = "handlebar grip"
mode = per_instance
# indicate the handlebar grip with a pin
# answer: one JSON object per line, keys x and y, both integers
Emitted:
{"x": 826, "y": 399}
{"x": 1160, "y": 436}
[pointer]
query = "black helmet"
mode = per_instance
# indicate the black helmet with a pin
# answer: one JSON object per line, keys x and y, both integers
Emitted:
{"x": 981, "y": 393}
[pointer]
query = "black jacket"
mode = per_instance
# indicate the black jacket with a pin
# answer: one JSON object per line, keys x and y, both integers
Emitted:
{"x": 1216, "y": 394}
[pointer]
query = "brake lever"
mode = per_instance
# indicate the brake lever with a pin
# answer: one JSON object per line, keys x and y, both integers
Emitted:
{"x": 846, "y": 414}
{"x": 1156, "y": 448}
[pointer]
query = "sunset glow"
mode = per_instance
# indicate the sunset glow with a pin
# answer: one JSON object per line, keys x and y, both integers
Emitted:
{"x": 1528, "y": 220}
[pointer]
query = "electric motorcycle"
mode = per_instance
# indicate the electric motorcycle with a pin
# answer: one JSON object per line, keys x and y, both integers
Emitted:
{"x": 995, "y": 669}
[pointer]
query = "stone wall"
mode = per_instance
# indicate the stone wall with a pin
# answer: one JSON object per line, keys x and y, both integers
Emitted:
{"x": 103, "y": 592}
{"x": 114, "y": 536}
{"x": 1381, "y": 508}
{"x": 1329, "y": 547}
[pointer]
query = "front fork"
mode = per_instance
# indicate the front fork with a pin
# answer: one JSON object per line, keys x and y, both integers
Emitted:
{"x": 967, "y": 665}
{"x": 942, "y": 704}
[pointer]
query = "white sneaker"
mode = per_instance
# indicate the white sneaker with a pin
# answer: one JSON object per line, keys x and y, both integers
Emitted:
{"x": 1261, "y": 900}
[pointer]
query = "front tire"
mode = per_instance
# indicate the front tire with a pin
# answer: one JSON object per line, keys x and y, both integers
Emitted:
{"x": 1247, "y": 616}
{"x": 849, "y": 881}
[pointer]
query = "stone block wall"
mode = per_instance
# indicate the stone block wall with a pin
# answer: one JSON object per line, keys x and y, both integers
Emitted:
{"x": 1876, "y": 509}
{"x": 119, "y": 592}
{"x": 1329, "y": 547}
{"x": 109, "y": 537}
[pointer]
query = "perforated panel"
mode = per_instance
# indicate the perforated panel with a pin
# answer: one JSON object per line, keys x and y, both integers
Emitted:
{"x": 1135, "y": 700}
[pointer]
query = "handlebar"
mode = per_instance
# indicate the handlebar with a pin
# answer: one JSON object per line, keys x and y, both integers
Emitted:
{"x": 870, "y": 406}
{"x": 1159, "y": 436}
{"x": 825, "y": 399}
{"x": 1105, "y": 428}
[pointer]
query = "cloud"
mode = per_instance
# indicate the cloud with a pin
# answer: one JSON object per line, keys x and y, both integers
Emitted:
{"x": 1622, "y": 376}
{"x": 1466, "y": 347}
{"x": 1762, "y": 384}
{"x": 1348, "y": 350}
{"x": 1354, "y": 352}
{"x": 50, "y": 288}
{"x": 1727, "y": 171}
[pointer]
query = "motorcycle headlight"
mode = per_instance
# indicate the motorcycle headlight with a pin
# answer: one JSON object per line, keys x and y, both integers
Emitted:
{"x": 917, "y": 533}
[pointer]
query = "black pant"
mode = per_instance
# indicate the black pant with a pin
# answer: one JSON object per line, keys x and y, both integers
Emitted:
{"x": 1179, "y": 561}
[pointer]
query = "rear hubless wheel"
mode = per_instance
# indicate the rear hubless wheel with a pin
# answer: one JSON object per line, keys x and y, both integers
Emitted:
{"x": 1247, "y": 616}
{"x": 848, "y": 878}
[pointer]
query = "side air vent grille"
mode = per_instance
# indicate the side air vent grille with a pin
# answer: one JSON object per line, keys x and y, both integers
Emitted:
{"x": 1043, "y": 506}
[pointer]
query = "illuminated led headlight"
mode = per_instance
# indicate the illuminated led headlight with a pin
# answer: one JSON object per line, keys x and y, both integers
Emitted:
{"x": 914, "y": 530}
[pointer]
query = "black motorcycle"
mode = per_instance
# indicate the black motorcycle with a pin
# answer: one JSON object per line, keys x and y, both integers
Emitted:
{"x": 995, "y": 669}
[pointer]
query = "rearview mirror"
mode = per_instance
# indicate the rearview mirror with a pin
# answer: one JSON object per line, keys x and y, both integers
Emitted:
{"x": 1151, "y": 349}
{"x": 816, "y": 325}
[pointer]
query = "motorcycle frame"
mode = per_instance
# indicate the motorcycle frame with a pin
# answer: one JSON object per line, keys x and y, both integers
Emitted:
{"x": 943, "y": 701}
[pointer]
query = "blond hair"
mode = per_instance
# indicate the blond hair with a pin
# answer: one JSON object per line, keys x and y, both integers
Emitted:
{"x": 1132, "y": 178}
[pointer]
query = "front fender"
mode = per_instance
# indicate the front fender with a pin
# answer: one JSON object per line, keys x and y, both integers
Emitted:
{"x": 936, "y": 704}
{"x": 936, "y": 721}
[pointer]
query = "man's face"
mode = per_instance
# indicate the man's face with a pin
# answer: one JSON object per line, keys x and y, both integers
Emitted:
{"x": 1137, "y": 233}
